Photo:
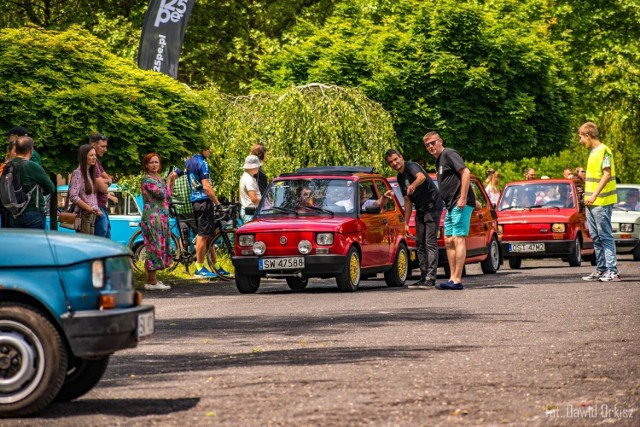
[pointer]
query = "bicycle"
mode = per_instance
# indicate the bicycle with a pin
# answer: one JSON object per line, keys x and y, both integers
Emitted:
{"x": 182, "y": 240}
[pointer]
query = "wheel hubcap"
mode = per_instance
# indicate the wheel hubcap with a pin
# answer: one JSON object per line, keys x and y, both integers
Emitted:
{"x": 402, "y": 265}
{"x": 354, "y": 268}
{"x": 21, "y": 364}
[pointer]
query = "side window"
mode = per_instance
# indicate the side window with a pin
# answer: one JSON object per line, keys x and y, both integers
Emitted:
{"x": 389, "y": 204}
{"x": 115, "y": 204}
{"x": 367, "y": 193}
{"x": 132, "y": 207}
{"x": 480, "y": 197}
{"x": 62, "y": 199}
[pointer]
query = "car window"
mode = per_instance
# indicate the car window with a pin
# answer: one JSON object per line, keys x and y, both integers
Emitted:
{"x": 389, "y": 204}
{"x": 628, "y": 198}
{"x": 367, "y": 193}
{"x": 130, "y": 203}
{"x": 309, "y": 197}
{"x": 480, "y": 197}
{"x": 115, "y": 205}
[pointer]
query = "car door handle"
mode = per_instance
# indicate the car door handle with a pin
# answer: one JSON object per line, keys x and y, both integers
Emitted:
{"x": 480, "y": 216}
{"x": 384, "y": 220}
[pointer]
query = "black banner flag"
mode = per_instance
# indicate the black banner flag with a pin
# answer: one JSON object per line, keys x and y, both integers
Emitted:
{"x": 163, "y": 34}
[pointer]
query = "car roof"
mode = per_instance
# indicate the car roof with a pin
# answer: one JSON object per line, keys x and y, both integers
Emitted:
{"x": 332, "y": 171}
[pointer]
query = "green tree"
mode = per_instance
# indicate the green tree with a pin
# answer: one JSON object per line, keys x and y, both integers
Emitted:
{"x": 301, "y": 126}
{"x": 493, "y": 85}
{"x": 64, "y": 85}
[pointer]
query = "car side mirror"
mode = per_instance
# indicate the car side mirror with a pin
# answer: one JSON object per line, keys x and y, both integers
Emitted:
{"x": 372, "y": 209}
{"x": 250, "y": 210}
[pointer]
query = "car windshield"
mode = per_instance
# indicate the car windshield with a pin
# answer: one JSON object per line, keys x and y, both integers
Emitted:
{"x": 628, "y": 198}
{"x": 537, "y": 195}
{"x": 308, "y": 197}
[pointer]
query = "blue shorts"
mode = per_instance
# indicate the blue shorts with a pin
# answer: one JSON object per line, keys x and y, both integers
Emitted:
{"x": 457, "y": 221}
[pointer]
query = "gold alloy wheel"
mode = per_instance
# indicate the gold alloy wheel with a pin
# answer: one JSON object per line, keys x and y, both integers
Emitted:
{"x": 354, "y": 268}
{"x": 402, "y": 265}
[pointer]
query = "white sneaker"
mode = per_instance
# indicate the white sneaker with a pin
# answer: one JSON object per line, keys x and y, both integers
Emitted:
{"x": 157, "y": 287}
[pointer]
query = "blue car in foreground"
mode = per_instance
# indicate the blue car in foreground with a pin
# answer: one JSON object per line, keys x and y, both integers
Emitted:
{"x": 67, "y": 303}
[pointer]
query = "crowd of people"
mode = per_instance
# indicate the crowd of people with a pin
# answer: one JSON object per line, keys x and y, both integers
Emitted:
{"x": 89, "y": 183}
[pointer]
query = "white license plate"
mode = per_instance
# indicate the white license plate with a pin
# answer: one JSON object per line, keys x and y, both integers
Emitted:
{"x": 290, "y": 263}
{"x": 145, "y": 324}
{"x": 526, "y": 247}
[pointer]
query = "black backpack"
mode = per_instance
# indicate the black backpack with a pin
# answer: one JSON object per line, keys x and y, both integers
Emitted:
{"x": 13, "y": 197}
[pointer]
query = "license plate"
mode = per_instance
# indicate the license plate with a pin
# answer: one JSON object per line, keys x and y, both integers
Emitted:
{"x": 290, "y": 263}
{"x": 526, "y": 247}
{"x": 145, "y": 324}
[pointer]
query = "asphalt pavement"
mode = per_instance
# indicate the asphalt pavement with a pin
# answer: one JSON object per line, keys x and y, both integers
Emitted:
{"x": 530, "y": 347}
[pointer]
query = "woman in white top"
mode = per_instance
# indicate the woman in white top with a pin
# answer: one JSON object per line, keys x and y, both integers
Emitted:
{"x": 249, "y": 189}
{"x": 492, "y": 188}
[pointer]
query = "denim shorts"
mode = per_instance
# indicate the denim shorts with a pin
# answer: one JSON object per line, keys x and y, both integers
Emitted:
{"x": 457, "y": 221}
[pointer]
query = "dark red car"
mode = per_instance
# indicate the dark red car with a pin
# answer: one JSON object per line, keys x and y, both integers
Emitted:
{"x": 482, "y": 243}
{"x": 323, "y": 222}
{"x": 543, "y": 219}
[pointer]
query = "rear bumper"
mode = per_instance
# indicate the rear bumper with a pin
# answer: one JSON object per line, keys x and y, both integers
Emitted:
{"x": 552, "y": 249}
{"x": 314, "y": 266}
{"x": 102, "y": 332}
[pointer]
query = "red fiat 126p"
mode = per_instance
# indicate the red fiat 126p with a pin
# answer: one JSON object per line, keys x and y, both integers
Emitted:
{"x": 331, "y": 221}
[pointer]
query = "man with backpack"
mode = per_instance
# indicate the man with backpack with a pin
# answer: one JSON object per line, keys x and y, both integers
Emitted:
{"x": 22, "y": 188}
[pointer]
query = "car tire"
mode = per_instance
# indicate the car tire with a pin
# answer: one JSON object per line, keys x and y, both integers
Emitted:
{"x": 297, "y": 283}
{"x": 247, "y": 283}
{"x": 492, "y": 263}
{"x": 82, "y": 376}
{"x": 29, "y": 339}
{"x": 349, "y": 279}
{"x": 515, "y": 263}
{"x": 575, "y": 259}
{"x": 397, "y": 274}
{"x": 636, "y": 253}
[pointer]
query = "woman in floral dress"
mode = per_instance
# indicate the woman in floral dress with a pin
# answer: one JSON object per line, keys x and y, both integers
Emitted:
{"x": 155, "y": 220}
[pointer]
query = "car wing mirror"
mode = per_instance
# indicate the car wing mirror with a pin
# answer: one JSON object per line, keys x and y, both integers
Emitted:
{"x": 250, "y": 210}
{"x": 372, "y": 209}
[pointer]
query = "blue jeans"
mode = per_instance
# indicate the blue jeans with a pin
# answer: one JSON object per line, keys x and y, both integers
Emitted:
{"x": 103, "y": 225}
{"x": 28, "y": 219}
{"x": 599, "y": 221}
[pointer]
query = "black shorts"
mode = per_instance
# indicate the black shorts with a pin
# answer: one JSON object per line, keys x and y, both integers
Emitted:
{"x": 204, "y": 213}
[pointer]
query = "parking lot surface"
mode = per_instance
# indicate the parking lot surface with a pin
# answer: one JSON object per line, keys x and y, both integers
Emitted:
{"x": 530, "y": 347}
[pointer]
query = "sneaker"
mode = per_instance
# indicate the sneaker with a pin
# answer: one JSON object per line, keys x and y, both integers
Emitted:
{"x": 593, "y": 277}
{"x": 157, "y": 287}
{"x": 221, "y": 271}
{"x": 420, "y": 284}
{"x": 204, "y": 272}
{"x": 431, "y": 283}
{"x": 610, "y": 276}
{"x": 450, "y": 286}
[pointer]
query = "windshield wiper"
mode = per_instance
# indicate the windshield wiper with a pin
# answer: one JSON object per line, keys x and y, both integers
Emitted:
{"x": 508, "y": 208}
{"x": 542, "y": 206}
{"x": 317, "y": 209}
{"x": 285, "y": 210}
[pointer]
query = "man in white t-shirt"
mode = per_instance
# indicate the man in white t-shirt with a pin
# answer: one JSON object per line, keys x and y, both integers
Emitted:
{"x": 249, "y": 189}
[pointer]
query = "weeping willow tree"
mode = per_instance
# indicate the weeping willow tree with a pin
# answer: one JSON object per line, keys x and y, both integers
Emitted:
{"x": 311, "y": 125}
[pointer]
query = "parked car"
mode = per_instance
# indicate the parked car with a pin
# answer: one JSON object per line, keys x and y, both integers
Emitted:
{"x": 318, "y": 222}
{"x": 482, "y": 243}
{"x": 625, "y": 220}
{"x": 67, "y": 303}
{"x": 125, "y": 211}
{"x": 543, "y": 219}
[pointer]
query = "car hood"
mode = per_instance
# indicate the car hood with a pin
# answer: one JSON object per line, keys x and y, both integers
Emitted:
{"x": 315, "y": 223}
{"x": 629, "y": 217}
{"x": 535, "y": 216}
{"x": 31, "y": 248}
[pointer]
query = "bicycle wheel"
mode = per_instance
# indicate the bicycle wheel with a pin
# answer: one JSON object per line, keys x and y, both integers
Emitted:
{"x": 224, "y": 252}
{"x": 136, "y": 245}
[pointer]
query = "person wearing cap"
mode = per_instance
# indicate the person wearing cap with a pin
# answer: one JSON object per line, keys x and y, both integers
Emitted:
{"x": 102, "y": 225}
{"x": 18, "y": 131}
{"x": 632, "y": 200}
{"x": 250, "y": 193}
{"x": 258, "y": 149}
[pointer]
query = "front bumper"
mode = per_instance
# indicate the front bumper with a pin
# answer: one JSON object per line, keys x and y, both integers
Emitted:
{"x": 626, "y": 245}
{"x": 102, "y": 332}
{"x": 314, "y": 266}
{"x": 552, "y": 249}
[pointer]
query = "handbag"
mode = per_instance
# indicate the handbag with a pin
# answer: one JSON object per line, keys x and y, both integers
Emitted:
{"x": 69, "y": 219}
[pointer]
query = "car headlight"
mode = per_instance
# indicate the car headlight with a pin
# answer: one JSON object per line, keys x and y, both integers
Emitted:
{"x": 97, "y": 273}
{"x": 259, "y": 248}
{"x": 626, "y": 228}
{"x": 304, "y": 247}
{"x": 246, "y": 239}
{"x": 558, "y": 228}
{"x": 324, "y": 239}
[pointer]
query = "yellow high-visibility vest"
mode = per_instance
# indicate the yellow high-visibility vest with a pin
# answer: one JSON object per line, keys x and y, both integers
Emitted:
{"x": 608, "y": 195}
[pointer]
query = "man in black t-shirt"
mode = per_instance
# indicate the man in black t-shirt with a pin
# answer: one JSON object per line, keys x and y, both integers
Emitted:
{"x": 454, "y": 179}
{"x": 418, "y": 189}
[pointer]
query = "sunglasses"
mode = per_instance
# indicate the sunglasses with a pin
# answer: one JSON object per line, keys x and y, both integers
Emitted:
{"x": 431, "y": 143}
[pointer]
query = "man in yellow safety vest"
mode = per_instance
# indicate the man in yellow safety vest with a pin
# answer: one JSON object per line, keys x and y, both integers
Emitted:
{"x": 599, "y": 197}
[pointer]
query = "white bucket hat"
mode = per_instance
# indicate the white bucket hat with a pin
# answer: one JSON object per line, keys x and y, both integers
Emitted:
{"x": 251, "y": 162}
